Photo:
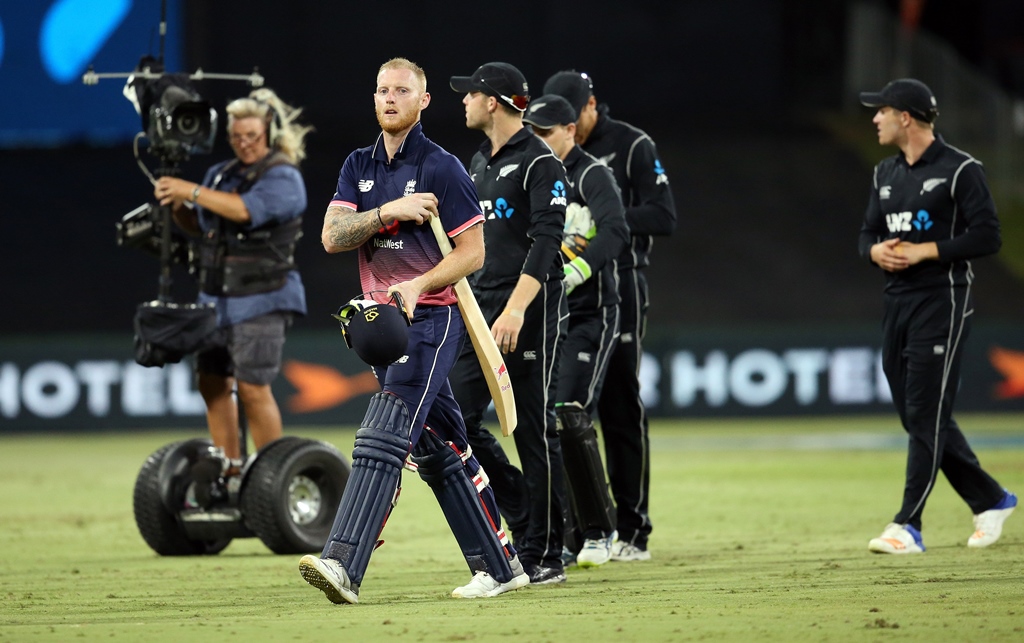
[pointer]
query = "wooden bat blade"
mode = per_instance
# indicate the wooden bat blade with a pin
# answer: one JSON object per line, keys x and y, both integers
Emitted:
{"x": 495, "y": 373}
{"x": 499, "y": 384}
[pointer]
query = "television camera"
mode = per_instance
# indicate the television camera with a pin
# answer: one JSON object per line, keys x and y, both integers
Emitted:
{"x": 287, "y": 493}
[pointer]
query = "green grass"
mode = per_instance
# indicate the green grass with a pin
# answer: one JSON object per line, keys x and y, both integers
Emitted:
{"x": 760, "y": 533}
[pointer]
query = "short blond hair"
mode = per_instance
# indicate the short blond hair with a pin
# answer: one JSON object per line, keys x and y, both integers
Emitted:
{"x": 405, "y": 63}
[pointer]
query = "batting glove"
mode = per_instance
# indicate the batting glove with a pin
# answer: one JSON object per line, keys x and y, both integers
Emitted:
{"x": 576, "y": 272}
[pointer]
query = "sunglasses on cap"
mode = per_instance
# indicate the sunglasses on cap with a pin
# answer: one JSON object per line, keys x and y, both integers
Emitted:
{"x": 515, "y": 100}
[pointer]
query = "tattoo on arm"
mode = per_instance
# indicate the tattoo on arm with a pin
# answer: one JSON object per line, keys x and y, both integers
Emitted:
{"x": 348, "y": 229}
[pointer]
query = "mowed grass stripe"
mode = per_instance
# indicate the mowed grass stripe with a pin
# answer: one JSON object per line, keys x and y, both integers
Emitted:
{"x": 751, "y": 542}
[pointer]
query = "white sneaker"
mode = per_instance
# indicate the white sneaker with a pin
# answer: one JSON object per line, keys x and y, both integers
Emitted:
{"x": 596, "y": 551}
{"x": 484, "y": 585}
{"x": 988, "y": 525}
{"x": 330, "y": 577}
{"x": 624, "y": 551}
{"x": 897, "y": 539}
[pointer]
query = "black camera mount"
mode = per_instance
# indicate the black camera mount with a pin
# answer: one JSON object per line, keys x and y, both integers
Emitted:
{"x": 177, "y": 122}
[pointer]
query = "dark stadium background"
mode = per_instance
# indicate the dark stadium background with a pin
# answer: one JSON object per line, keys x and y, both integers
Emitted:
{"x": 769, "y": 204}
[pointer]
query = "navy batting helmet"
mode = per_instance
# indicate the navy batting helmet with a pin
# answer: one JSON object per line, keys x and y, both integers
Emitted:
{"x": 378, "y": 333}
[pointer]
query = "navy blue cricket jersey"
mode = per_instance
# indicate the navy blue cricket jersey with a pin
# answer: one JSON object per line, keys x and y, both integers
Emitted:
{"x": 403, "y": 250}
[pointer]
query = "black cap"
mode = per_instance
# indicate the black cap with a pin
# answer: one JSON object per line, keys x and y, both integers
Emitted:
{"x": 549, "y": 110}
{"x": 906, "y": 95}
{"x": 378, "y": 333}
{"x": 574, "y": 86}
{"x": 501, "y": 80}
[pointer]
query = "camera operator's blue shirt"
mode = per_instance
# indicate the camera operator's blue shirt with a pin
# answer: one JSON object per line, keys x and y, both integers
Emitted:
{"x": 279, "y": 195}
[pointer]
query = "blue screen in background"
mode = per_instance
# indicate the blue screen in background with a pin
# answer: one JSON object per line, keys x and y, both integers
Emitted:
{"x": 46, "y": 46}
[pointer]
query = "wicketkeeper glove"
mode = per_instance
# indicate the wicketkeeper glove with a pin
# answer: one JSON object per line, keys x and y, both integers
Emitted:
{"x": 578, "y": 221}
{"x": 576, "y": 272}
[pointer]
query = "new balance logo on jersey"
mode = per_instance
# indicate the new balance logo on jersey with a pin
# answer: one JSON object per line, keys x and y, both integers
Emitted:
{"x": 931, "y": 184}
{"x": 559, "y": 194}
{"x": 884, "y": 192}
{"x": 607, "y": 160}
{"x": 508, "y": 169}
{"x": 365, "y": 185}
{"x": 906, "y": 221}
{"x": 410, "y": 188}
{"x": 660, "y": 171}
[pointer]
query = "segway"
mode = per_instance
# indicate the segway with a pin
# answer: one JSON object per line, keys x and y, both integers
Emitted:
{"x": 286, "y": 495}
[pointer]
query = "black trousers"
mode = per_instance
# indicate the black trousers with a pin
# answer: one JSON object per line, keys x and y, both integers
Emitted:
{"x": 624, "y": 418}
{"x": 923, "y": 339}
{"x": 531, "y": 501}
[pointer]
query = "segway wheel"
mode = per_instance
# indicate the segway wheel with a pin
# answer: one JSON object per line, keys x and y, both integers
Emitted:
{"x": 160, "y": 493}
{"x": 291, "y": 493}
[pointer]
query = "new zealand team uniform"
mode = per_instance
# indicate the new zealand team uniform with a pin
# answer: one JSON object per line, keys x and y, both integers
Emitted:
{"x": 942, "y": 198}
{"x": 650, "y": 211}
{"x": 522, "y": 191}
{"x": 592, "y": 334}
{"x": 416, "y": 409}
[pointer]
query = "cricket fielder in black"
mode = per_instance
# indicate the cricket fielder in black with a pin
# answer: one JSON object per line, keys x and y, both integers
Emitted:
{"x": 929, "y": 214}
{"x": 595, "y": 233}
{"x": 650, "y": 211}
{"x": 522, "y": 189}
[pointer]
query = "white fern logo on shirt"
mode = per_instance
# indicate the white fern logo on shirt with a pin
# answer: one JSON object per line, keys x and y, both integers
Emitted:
{"x": 508, "y": 169}
{"x": 931, "y": 184}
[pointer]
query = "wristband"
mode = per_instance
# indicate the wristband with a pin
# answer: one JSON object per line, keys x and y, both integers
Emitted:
{"x": 512, "y": 312}
{"x": 382, "y": 224}
{"x": 195, "y": 193}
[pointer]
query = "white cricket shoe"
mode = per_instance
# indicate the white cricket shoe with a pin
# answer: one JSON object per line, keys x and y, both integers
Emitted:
{"x": 484, "y": 585}
{"x": 327, "y": 575}
{"x": 624, "y": 551}
{"x": 596, "y": 551}
{"x": 897, "y": 539}
{"x": 988, "y": 525}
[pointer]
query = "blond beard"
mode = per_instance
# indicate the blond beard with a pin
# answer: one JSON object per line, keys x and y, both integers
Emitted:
{"x": 396, "y": 127}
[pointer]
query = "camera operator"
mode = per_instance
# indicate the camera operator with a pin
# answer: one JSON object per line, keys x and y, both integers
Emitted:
{"x": 247, "y": 212}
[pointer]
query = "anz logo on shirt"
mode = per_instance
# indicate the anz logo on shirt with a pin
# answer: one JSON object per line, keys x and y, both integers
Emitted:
{"x": 497, "y": 209}
{"x": 907, "y": 221}
{"x": 660, "y": 171}
{"x": 558, "y": 193}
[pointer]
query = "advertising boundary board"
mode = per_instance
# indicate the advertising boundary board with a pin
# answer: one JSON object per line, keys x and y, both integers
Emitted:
{"x": 91, "y": 383}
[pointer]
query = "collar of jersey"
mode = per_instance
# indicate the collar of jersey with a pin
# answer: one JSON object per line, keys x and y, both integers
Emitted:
{"x": 931, "y": 153}
{"x": 517, "y": 138}
{"x": 409, "y": 145}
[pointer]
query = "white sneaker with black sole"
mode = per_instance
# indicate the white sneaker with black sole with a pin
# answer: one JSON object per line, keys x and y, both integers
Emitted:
{"x": 330, "y": 577}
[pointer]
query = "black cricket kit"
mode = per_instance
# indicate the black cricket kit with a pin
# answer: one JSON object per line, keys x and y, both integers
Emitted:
{"x": 593, "y": 305}
{"x": 650, "y": 211}
{"x": 522, "y": 191}
{"x": 941, "y": 198}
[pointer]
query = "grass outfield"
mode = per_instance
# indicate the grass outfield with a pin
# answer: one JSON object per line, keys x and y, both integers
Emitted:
{"x": 761, "y": 530}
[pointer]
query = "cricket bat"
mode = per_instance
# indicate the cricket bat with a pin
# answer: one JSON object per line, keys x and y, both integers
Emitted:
{"x": 498, "y": 382}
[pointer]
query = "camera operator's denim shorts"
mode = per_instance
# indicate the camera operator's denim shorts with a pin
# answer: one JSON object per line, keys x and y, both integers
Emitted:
{"x": 250, "y": 350}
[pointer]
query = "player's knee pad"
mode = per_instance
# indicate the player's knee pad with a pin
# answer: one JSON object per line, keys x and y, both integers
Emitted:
{"x": 478, "y": 532}
{"x": 382, "y": 443}
{"x": 585, "y": 477}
